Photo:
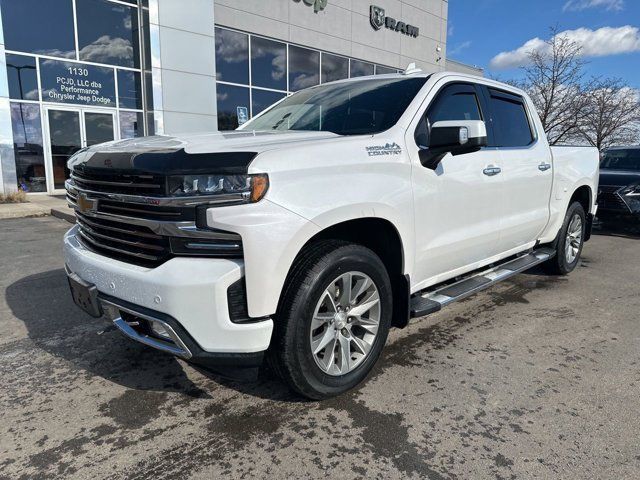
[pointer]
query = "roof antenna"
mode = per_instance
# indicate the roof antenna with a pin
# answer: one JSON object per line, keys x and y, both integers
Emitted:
{"x": 411, "y": 69}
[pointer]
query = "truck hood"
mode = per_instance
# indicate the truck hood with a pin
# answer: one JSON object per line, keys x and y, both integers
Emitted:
{"x": 219, "y": 152}
{"x": 619, "y": 178}
{"x": 238, "y": 140}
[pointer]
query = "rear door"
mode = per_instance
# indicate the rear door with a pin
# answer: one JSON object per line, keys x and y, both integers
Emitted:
{"x": 527, "y": 169}
{"x": 457, "y": 205}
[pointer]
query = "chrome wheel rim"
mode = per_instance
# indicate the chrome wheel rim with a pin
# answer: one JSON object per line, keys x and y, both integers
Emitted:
{"x": 574, "y": 239}
{"x": 345, "y": 323}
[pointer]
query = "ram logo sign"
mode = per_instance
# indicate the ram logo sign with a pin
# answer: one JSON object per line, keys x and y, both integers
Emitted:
{"x": 378, "y": 19}
{"x": 317, "y": 5}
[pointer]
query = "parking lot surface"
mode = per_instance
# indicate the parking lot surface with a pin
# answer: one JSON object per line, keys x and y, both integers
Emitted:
{"x": 538, "y": 377}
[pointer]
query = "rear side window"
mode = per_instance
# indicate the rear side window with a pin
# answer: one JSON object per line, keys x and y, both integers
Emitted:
{"x": 510, "y": 120}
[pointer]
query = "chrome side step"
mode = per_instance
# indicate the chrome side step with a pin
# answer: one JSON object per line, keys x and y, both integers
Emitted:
{"x": 430, "y": 301}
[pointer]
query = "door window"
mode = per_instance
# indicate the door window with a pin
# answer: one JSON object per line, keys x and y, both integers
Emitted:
{"x": 454, "y": 102}
{"x": 510, "y": 120}
{"x": 65, "y": 138}
{"x": 71, "y": 130}
{"x": 98, "y": 128}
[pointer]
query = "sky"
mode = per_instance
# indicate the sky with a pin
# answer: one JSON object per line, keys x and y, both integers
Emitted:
{"x": 497, "y": 34}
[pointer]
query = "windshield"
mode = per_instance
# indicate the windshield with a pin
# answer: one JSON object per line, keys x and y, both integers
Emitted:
{"x": 623, "y": 159}
{"x": 346, "y": 108}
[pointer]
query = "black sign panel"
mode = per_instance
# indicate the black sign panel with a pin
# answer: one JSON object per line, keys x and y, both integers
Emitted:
{"x": 77, "y": 83}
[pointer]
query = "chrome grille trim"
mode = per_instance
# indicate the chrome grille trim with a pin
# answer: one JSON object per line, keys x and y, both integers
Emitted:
{"x": 143, "y": 230}
{"x": 158, "y": 201}
{"x": 609, "y": 198}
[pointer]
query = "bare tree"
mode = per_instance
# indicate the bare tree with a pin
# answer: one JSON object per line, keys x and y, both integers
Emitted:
{"x": 554, "y": 79}
{"x": 612, "y": 116}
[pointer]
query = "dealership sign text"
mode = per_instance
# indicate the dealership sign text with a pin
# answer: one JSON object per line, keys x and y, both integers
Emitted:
{"x": 379, "y": 19}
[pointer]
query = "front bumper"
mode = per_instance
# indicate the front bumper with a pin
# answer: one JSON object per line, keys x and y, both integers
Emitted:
{"x": 188, "y": 294}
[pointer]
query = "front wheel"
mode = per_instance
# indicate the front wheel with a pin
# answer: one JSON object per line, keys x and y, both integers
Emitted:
{"x": 569, "y": 243}
{"x": 333, "y": 320}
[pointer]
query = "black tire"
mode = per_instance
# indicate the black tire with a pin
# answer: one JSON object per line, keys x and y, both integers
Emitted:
{"x": 559, "y": 264}
{"x": 290, "y": 353}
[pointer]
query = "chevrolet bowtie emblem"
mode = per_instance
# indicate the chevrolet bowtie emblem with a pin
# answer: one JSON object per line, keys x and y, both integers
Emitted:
{"x": 86, "y": 205}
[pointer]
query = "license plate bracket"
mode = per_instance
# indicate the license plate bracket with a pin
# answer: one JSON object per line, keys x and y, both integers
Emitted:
{"x": 85, "y": 295}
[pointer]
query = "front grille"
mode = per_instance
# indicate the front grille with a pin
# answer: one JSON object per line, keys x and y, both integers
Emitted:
{"x": 139, "y": 210}
{"x": 123, "y": 241}
{"x": 151, "y": 185}
{"x": 130, "y": 218}
{"x": 150, "y": 212}
{"x": 608, "y": 198}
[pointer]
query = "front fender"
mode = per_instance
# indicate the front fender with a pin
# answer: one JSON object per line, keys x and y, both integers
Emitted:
{"x": 272, "y": 236}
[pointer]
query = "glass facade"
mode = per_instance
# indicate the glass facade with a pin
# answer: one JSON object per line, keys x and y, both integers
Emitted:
{"x": 79, "y": 72}
{"x": 253, "y": 72}
{"x": 75, "y": 74}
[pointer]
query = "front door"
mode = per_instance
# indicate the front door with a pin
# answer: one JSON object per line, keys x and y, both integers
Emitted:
{"x": 457, "y": 206}
{"x": 69, "y": 130}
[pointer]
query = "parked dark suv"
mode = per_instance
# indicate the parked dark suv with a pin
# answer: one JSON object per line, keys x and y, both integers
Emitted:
{"x": 619, "y": 191}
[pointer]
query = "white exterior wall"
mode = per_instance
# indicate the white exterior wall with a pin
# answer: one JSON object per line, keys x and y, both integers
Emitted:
{"x": 343, "y": 28}
{"x": 183, "y": 61}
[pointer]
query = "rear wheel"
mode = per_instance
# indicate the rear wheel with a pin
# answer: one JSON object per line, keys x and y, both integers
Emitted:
{"x": 569, "y": 242}
{"x": 333, "y": 320}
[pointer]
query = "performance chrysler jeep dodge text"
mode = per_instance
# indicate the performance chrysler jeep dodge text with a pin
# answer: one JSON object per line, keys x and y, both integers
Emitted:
{"x": 340, "y": 211}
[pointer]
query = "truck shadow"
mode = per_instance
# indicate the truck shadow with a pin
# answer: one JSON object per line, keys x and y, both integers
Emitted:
{"x": 54, "y": 324}
{"x": 624, "y": 228}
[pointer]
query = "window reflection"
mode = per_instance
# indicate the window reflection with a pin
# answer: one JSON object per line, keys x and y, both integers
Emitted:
{"x": 23, "y": 77}
{"x": 264, "y": 98}
{"x": 64, "y": 135}
{"x": 268, "y": 63}
{"x": 334, "y": 68}
{"x": 108, "y": 33}
{"x": 131, "y": 124}
{"x": 361, "y": 69}
{"x": 36, "y": 26}
{"x": 304, "y": 68}
{"x": 27, "y": 147}
{"x": 230, "y": 99}
{"x": 129, "y": 89}
{"x": 232, "y": 56}
{"x": 98, "y": 128}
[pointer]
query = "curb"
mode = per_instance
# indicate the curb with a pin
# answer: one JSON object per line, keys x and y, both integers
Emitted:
{"x": 58, "y": 213}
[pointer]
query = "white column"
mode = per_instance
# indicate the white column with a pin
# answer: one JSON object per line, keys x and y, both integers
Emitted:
{"x": 183, "y": 65}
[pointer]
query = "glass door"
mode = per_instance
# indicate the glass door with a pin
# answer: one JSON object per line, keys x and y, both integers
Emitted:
{"x": 69, "y": 130}
{"x": 65, "y": 139}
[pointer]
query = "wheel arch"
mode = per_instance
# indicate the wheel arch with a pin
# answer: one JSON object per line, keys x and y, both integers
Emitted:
{"x": 382, "y": 237}
{"x": 584, "y": 196}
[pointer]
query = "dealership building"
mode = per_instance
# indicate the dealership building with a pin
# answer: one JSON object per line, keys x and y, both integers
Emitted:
{"x": 81, "y": 72}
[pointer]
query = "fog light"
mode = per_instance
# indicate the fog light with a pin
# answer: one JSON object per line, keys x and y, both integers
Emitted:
{"x": 159, "y": 330}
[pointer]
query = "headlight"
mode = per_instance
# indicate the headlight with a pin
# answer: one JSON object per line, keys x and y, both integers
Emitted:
{"x": 238, "y": 188}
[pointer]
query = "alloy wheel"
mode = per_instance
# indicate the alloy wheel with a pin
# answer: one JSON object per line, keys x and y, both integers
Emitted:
{"x": 574, "y": 239}
{"x": 345, "y": 323}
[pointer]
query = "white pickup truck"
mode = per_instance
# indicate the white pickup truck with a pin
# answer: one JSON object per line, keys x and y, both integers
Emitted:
{"x": 339, "y": 212}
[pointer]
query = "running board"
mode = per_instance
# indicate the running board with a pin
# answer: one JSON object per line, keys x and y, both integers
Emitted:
{"x": 430, "y": 301}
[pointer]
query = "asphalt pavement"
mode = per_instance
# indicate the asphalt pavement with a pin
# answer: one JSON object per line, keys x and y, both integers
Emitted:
{"x": 538, "y": 377}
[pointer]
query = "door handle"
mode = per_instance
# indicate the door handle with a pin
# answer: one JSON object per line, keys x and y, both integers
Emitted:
{"x": 543, "y": 167}
{"x": 490, "y": 171}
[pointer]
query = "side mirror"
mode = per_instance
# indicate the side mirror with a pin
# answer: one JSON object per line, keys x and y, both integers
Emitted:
{"x": 453, "y": 136}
